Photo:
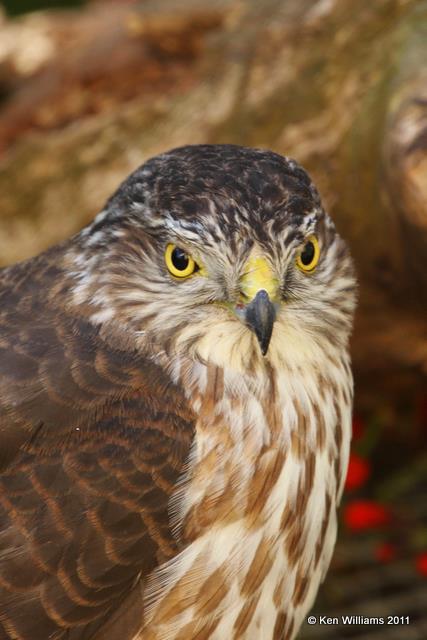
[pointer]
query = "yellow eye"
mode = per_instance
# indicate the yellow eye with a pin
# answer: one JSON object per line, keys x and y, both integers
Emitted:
{"x": 309, "y": 255}
{"x": 179, "y": 263}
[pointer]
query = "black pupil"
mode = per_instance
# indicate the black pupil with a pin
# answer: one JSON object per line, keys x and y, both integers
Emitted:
{"x": 307, "y": 254}
{"x": 179, "y": 259}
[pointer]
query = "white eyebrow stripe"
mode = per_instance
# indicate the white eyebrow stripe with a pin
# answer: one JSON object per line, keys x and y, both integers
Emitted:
{"x": 189, "y": 231}
{"x": 310, "y": 222}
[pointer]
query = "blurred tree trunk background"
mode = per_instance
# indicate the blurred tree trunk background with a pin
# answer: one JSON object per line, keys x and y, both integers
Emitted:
{"x": 17, "y": 7}
{"x": 87, "y": 95}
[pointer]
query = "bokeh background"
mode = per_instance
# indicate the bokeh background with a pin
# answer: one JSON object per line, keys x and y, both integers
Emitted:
{"x": 89, "y": 90}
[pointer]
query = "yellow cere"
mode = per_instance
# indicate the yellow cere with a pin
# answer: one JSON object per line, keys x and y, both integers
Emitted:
{"x": 179, "y": 263}
{"x": 258, "y": 275}
{"x": 309, "y": 255}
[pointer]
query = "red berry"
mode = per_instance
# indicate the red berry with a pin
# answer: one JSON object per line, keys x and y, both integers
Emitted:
{"x": 358, "y": 472}
{"x": 361, "y": 515}
{"x": 385, "y": 552}
{"x": 421, "y": 563}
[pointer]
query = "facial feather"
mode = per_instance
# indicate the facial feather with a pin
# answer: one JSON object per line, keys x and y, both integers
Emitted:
{"x": 124, "y": 277}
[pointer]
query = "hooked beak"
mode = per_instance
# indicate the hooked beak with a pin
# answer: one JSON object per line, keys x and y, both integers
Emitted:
{"x": 259, "y": 287}
{"x": 260, "y": 316}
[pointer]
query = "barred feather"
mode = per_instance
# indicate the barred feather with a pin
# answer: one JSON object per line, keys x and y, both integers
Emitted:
{"x": 159, "y": 477}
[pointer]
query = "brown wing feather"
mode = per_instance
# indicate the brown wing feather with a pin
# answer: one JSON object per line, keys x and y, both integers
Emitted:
{"x": 93, "y": 439}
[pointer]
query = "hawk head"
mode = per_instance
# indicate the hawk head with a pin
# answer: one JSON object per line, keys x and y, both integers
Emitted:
{"x": 222, "y": 252}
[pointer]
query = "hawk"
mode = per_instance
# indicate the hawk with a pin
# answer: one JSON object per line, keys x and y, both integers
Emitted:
{"x": 175, "y": 402}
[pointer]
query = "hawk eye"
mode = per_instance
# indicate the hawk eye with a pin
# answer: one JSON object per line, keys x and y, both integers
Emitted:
{"x": 179, "y": 263}
{"x": 308, "y": 257}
